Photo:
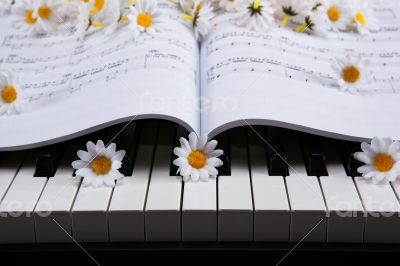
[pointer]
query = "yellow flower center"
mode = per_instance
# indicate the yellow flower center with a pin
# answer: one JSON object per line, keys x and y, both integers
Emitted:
{"x": 144, "y": 20}
{"x": 44, "y": 12}
{"x": 383, "y": 162}
{"x": 351, "y": 74}
{"x": 197, "y": 159}
{"x": 101, "y": 165}
{"x": 360, "y": 18}
{"x": 8, "y": 94}
{"x": 97, "y": 6}
{"x": 334, "y": 14}
{"x": 29, "y": 19}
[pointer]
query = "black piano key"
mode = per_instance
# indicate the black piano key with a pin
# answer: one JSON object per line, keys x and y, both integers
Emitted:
{"x": 313, "y": 154}
{"x": 347, "y": 150}
{"x": 125, "y": 136}
{"x": 48, "y": 159}
{"x": 223, "y": 144}
{"x": 276, "y": 158}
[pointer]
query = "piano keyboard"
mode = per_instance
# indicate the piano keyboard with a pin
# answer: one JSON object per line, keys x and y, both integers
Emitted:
{"x": 276, "y": 186}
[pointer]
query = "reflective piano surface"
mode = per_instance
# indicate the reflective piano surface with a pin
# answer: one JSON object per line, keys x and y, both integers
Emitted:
{"x": 276, "y": 186}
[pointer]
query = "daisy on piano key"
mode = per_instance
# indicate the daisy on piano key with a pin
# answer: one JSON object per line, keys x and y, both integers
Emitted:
{"x": 381, "y": 159}
{"x": 197, "y": 158}
{"x": 99, "y": 165}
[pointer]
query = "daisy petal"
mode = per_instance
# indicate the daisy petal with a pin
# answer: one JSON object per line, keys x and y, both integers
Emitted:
{"x": 193, "y": 140}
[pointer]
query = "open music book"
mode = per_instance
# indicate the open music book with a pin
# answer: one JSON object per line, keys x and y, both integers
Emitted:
{"x": 233, "y": 77}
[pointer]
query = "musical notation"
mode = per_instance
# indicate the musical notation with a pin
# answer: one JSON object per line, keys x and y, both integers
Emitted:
{"x": 52, "y": 67}
{"x": 281, "y": 53}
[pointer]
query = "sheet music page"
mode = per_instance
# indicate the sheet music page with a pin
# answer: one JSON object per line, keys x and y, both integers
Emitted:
{"x": 284, "y": 78}
{"x": 72, "y": 85}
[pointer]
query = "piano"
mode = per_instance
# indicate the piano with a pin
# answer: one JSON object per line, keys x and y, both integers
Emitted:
{"x": 276, "y": 186}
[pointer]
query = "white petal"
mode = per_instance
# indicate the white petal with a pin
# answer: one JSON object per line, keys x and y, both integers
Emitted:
{"x": 116, "y": 165}
{"x": 100, "y": 147}
{"x": 215, "y": 162}
{"x": 180, "y": 162}
{"x": 365, "y": 169}
{"x": 115, "y": 174}
{"x": 97, "y": 181}
{"x": 195, "y": 175}
{"x": 87, "y": 181}
{"x": 111, "y": 148}
{"x": 210, "y": 146}
{"x": 180, "y": 152}
{"x": 202, "y": 142}
{"x": 83, "y": 172}
{"x": 119, "y": 156}
{"x": 394, "y": 148}
{"x": 109, "y": 182}
{"x": 361, "y": 156}
{"x": 84, "y": 156}
{"x": 79, "y": 164}
{"x": 215, "y": 153}
{"x": 186, "y": 170}
{"x": 212, "y": 171}
{"x": 193, "y": 141}
{"x": 185, "y": 145}
{"x": 91, "y": 148}
{"x": 203, "y": 175}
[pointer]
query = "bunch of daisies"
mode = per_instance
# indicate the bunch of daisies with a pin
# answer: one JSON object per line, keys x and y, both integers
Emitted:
{"x": 84, "y": 16}
{"x": 197, "y": 15}
{"x": 314, "y": 16}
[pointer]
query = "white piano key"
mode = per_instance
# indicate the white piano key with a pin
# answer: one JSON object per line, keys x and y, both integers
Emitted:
{"x": 126, "y": 210}
{"x": 53, "y": 221}
{"x": 90, "y": 213}
{"x": 346, "y": 214}
{"x": 199, "y": 211}
{"x": 308, "y": 217}
{"x": 16, "y": 210}
{"x": 382, "y": 207}
{"x": 163, "y": 206}
{"x": 271, "y": 206}
{"x": 235, "y": 204}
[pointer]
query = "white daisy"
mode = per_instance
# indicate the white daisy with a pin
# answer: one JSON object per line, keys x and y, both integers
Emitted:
{"x": 197, "y": 158}
{"x": 41, "y": 16}
{"x": 315, "y": 21}
{"x": 5, "y": 6}
{"x": 98, "y": 15}
{"x": 381, "y": 159}
{"x": 363, "y": 20}
{"x": 10, "y": 94}
{"x": 145, "y": 17}
{"x": 351, "y": 73}
{"x": 291, "y": 9}
{"x": 99, "y": 164}
{"x": 199, "y": 17}
{"x": 338, "y": 13}
{"x": 230, "y": 5}
{"x": 256, "y": 15}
